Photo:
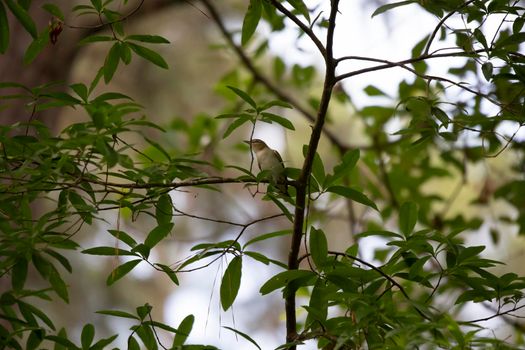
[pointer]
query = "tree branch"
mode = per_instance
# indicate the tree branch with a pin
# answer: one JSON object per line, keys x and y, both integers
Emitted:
{"x": 302, "y": 182}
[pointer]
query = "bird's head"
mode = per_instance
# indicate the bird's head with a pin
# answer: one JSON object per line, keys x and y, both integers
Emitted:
{"x": 257, "y": 144}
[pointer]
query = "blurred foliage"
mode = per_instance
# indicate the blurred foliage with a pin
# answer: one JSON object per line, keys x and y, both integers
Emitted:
{"x": 53, "y": 185}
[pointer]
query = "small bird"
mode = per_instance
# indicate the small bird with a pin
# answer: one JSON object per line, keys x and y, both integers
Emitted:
{"x": 269, "y": 159}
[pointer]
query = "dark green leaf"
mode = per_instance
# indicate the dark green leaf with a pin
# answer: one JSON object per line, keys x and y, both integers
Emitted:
{"x": 34, "y": 339}
{"x": 61, "y": 341}
{"x": 38, "y": 313}
{"x": 111, "y": 63}
{"x": 36, "y": 46}
{"x": 440, "y": 115}
{"x": 19, "y": 274}
{"x": 58, "y": 284}
{"x": 23, "y": 17}
{"x": 102, "y": 343}
{"x": 125, "y": 53}
{"x": 278, "y": 119}
{"x": 87, "y": 336}
{"x": 514, "y": 39}
{"x": 121, "y": 271}
{"x": 282, "y": 279}
{"x": 149, "y": 55}
{"x": 183, "y": 331}
{"x": 157, "y": 234}
{"x": 4, "y": 29}
{"x": 407, "y": 217}
{"x": 133, "y": 344}
{"x": 244, "y": 335}
{"x": 164, "y": 210}
{"x": 154, "y": 39}
{"x": 168, "y": 271}
{"x": 318, "y": 247}
{"x": 257, "y": 256}
{"x": 109, "y": 251}
{"x": 251, "y": 20}
{"x": 353, "y": 195}
{"x": 81, "y": 90}
{"x": 487, "y": 69}
{"x": 231, "y": 281}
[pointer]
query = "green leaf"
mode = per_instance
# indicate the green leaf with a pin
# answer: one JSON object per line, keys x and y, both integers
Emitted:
{"x": 87, "y": 336}
{"x": 353, "y": 195}
{"x": 111, "y": 62}
{"x": 107, "y": 251}
{"x": 38, "y": 313}
{"x": 121, "y": 271}
{"x": 244, "y": 335}
{"x": 183, "y": 331}
{"x": 34, "y": 339}
{"x": 149, "y": 55}
{"x": 371, "y": 90}
{"x": 243, "y": 95}
{"x": 58, "y": 284}
{"x": 164, "y": 210}
{"x": 154, "y": 39}
{"x": 54, "y": 10}
{"x": 231, "y": 281}
{"x": 36, "y": 46}
{"x": 133, "y": 344}
{"x": 318, "y": 169}
{"x": 282, "y": 279}
{"x": 95, "y": 38}
{"x": 407, "y": 217}
{"x": 168, "y": 271}
{"x": 4, "y": 29}
{"x": 514, "y": 39}
{"x": 440, "y": 115}
{"x": 19, "y": 274}
{"x": 251, "y": 20}
{"x": 23, "y": 17}
{"x": 257, "y": 256}
{"x": 157, "y": 234}
{"x": 487, "y": 70}
{"x": 347, "y": 164}
{"x": 124, "y": 237}
{"x": 277, "y": 119}
{"x": 102, "y": 343}
{"x": 388, "y": 7}
{"x": 110, "y": 96}
{"x": 125, "y": 53}
{"x": 61, "y": 341}
{"x": 81, "y": 90}
{"x": 301, "y": 8}
{"x": 267, "y": 236}
{"x": 118, "y": 313}
{"x": 236, "y": 124}
{"x": 318, "y": 247}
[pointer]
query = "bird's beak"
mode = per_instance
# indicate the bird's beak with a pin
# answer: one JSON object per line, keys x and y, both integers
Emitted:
{"x": 248, "y": 142}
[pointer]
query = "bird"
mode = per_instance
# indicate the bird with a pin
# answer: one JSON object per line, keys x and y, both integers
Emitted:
{"x": 269, "y": 159}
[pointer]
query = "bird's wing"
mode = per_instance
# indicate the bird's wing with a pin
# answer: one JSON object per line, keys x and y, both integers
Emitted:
{"x": 278, "y": 156}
